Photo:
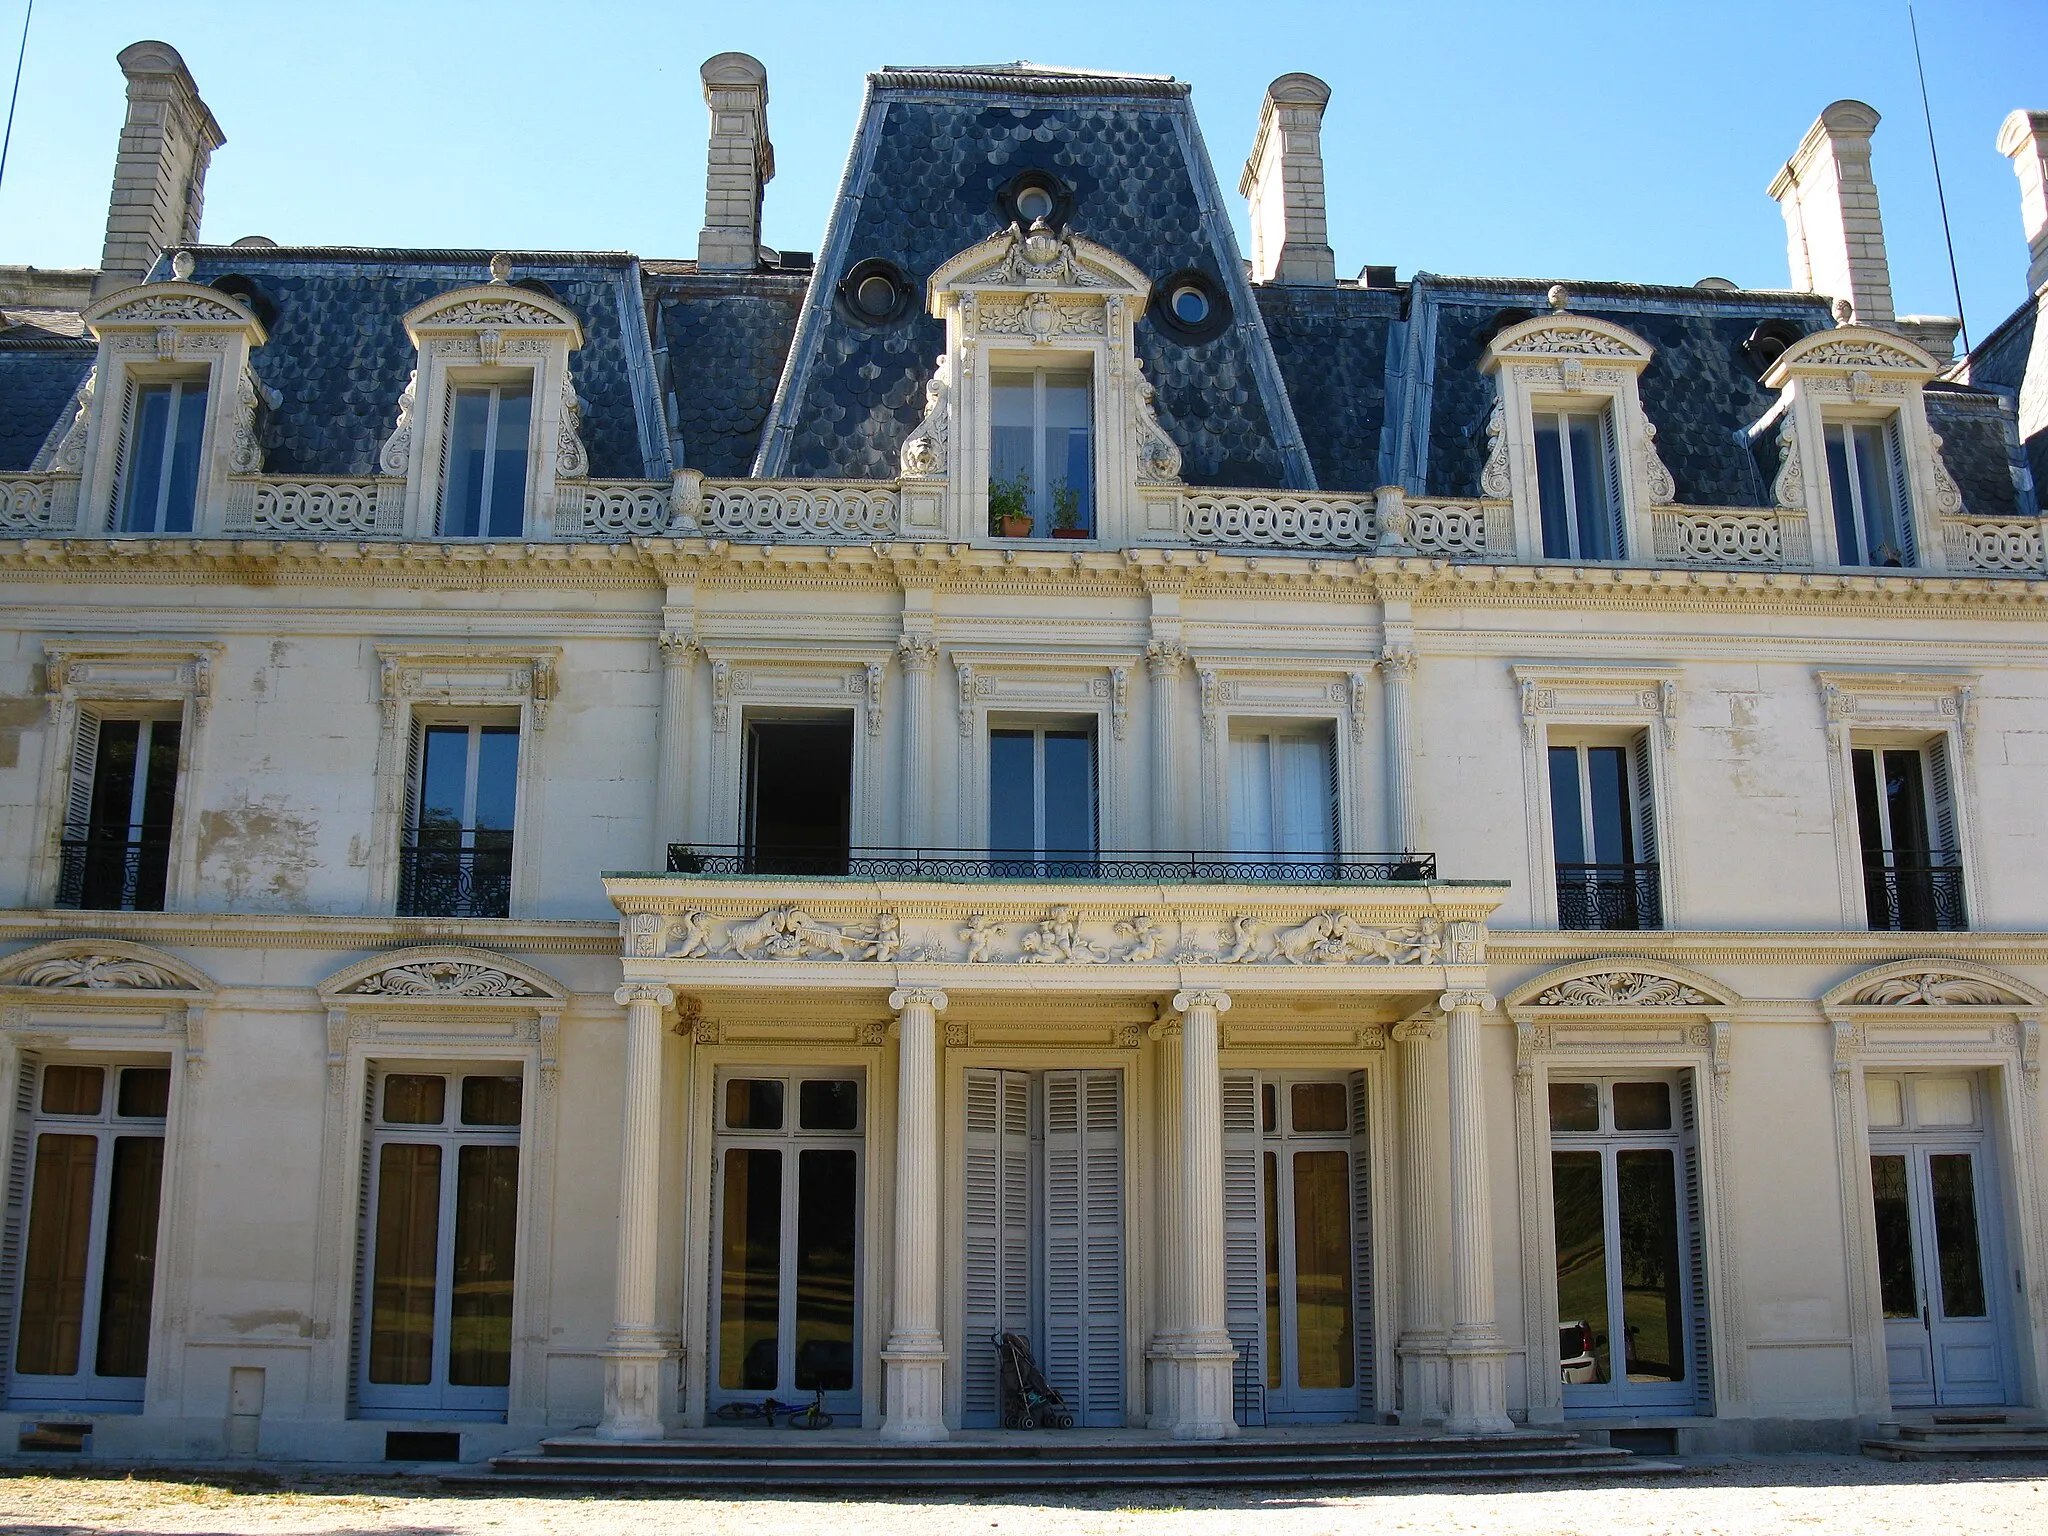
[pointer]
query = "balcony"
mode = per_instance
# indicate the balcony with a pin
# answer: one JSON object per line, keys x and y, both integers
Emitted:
{"x": 443, "y": 880}
{"x": 113, "y": 871}
{"x": 981, "y": 864}
{"x": 1608, "y": 896}
{"x": 1914, "y": 892}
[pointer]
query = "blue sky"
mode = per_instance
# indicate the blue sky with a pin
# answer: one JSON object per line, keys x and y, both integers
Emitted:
{"x": 1577, "y": 139}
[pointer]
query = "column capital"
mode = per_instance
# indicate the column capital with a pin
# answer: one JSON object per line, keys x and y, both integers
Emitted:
{"x": 929, "y": 997}
{"x": 645, "y": 992}
{"x": 1164, "y": 658}
{"x": 1397, "y": 663}
{"x": 1467, "y": 997}
{"x": 1163, "y": 1029}
{"x": 1424, "y": 1028}
{"x": 917, "y": 653}
{"x": 1218, "y": 1002}
{"x": 679, "y": 648}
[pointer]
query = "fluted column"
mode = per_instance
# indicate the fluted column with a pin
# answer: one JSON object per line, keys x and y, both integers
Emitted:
{"x": 638, "y": 1344}
{"x": 914, "y": 1402}
{"x": 1203, "y": 1402}
{"x": 1425, "y": 1388}
{"x": 1478, "y": 1362}
{"x": 1164, "y": 661}
{"x": 1166, "y": 1329}
{"x": 679, "y": 653}
{"x": 1404, "y": 814}
{"x": 918, "y": 656}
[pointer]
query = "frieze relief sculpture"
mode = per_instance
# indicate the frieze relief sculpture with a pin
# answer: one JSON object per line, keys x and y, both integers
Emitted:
{"x": 1932, "y": 989}
{"x": 443, "y": 978}
{"x": 97, "y": 973}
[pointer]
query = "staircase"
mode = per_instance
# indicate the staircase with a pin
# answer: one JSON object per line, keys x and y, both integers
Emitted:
{"x": 1987, "y": 1434}
{"x": 842, "y": 1462}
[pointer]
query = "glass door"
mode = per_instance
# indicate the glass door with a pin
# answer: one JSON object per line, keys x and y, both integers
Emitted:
{"x": 1310, "y": 1344}
{"x": 787, "y": 1289}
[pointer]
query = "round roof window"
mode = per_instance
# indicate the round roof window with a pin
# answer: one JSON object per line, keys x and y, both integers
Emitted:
{"x": 1033, "y": 204}
{"x": 875, "y": 296}
{"x": 1189, "y": 304}
{"x": 875, "y": 292}
{"x": 1189, "y": 307}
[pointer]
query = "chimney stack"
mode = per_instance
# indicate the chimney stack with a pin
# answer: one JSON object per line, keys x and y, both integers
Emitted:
{"x": 1284, "y": 181}
{"x": 160, "y": 172}
{"x": 742, "y": 163}
{"x": 1834, "y": 234}
{"x": 2023, "y": 139}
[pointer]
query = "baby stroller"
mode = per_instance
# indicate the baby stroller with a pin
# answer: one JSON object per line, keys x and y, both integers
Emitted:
{"x": 1029, "y": 1400}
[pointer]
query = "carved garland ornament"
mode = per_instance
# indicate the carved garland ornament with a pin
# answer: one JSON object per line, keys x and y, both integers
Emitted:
{"x": 97, "y": 973}
{"x": 158, "y": 308}
{"x": 1039, "y": 257}
{"x": 443, "y": 978}
{"x": 1931, "y": 989}
{"x": 1622, "y": 989}
{"x": 1571, "y": 340}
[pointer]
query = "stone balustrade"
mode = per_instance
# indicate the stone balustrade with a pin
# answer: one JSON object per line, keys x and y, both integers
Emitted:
{"x": 315, "y": 509}
{"x": 1993, "y": 544}
{"x": 1767, "y": 537}
{"x": 37, "y": 504}
{"x": 1280, "y": 520}
{"x": 611, "y": 511}
{"x": 1459, "y": 530}
{"x": 792, "y": 511}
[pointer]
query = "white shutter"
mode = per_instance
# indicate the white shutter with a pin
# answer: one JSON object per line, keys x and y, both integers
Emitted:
{"x": 14, "y": 1210}
{"x": 1101, "y": 1404}
{"x": 998, "y": 1251}
{"x": 1649, "y": 885}
{"x": 1617, "y": 510}
{"x": 415, "y": 759}
{"x": 1244, "y": 1274}
{"x": 365, "y": 1241}
{"x": 1698, "y": 1335}
{"x": 85, "y": 758}
{"x": 1362, "y": 1320}
{"x": 1902, "y": 494}
{"x": 124, "y": 452}
{"x": 1941, "y": 805}
{"x": 1251, "y": 794}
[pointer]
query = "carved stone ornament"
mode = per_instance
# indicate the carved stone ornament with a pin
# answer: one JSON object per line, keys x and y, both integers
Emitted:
{"x": 926, "y": 453}
{"x": 1158, "y": 455}
{"x": 572, "y": 462}
{"x": 96, "y": 973}
{"x": 1948, "y": 496}
{"x": 1057, "y": 941}
{"x": 1789, "y": 488}
{"x": 1335, "y": 938}
{"x": 68, "y": 458}
{"x": 245, "y": 448}
{"x": 1931, "y": 989}
{"x": 1622, "y": 989}
{"x": 1663, "y": 489}
{"x": 1573, "y": 340}
{"x": 1039, "y": 258}
{"x": 395, "y": 457}
{"x": 1494, "y": 481}
{"x": 1041, "y": 318}
{"x": 442, "y": 978}
{"x": 157, "y": 308}
{"x": 1858, "y": 354}
{"x": 481, "y": 312}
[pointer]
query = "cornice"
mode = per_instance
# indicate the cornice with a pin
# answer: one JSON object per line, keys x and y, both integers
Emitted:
{"x": 1525, "y": 947}
{"x": 230, "y": 930}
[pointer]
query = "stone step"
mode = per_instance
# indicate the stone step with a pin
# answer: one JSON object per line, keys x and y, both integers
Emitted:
{"x": 855, "y": 1445}
{"x": 1981, "y": 1447}
{"x": 1993, "y": 1428}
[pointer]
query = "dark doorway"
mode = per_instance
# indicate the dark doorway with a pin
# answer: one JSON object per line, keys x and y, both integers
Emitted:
{"x": 799, "y": 794}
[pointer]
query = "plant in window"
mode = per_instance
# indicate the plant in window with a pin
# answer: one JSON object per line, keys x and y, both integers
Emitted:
{"x": 1009, "y": 506}
{"x": 1066, "y": 512}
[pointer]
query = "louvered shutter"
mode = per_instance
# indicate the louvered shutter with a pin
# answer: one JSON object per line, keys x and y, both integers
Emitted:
{"x": 1648, "y": 884}
{"x": 415, "y": 759}
{"x": 85, "y": 758}
{"x": 14, "y": 1211}
{"x": 124, "y": 459}
{"x": 359, "y": 1352}
{"x": 1941, "y": 806}
{"x": 1617, "y": 511}
{"x": 1251, "y": 794}
{"x": 1244, "y": 1278}
{"x": 1902, "y": 494}
{"x": 998, "y": 1237}
{"x": 1698, "y": 1334}
{"x": 447, "y": 461}
{"x": 1361, "y": 1251}
{"x": 1102, "y": 1250}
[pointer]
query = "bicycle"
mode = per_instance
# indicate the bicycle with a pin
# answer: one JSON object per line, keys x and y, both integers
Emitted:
{"x": 811, "y": 1415}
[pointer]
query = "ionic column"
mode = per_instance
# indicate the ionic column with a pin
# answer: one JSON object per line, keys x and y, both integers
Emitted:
{"x": 638, "y": 1344}
{"x": 914, "y": 1400}
{"x": 1166, "y": 1330}
{"x": 679, "y": 653}
{"x": 1203, "y": 1402}
{"x": 1163, "y": 661}
{"x": 1478, "y": 1362}
{"x": 918, "y": 656}
{"x": 1425, "y": 1389}
{"x": 1397, "y": 680}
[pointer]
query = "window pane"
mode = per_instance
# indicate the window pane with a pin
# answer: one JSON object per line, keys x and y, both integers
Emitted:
{"x": 128, "y": 1277}
{"x": 1906, "y": 803}
{"x": 1848, "y": 534}
{"x": 1273, "y": 1380}
{"x": 160, "y": 784}
{"x": 1873, "y": 480}
{"x": 144, "y": 470}
{"x": 827, "y": 1105}
{"x": 1863, "y": 768}
{"x": 1652, "y": 1301}
{"x": 1589, "y": 489}
{"x": 412, "y": 1098}
{"x": 1607, "y": 778}
{"x": 1013, "y": 436}
{"x": 491, "y": 1100}
{"x": 1069, "y": 794}
{"x": 486, "y": 1235}
{"x": 1578, "y": 1210}
{"x": 462, "y": 498}
{"x": 444, "y": 773}
{"x": 1319, "y": 1107}
{"x": 145, "y": 1093}
{"x": 1069, "y": 460}
{"x": 1642, "y": 1106}
{"x": 1269, "y": 1108}
{"x": 53, "y": 1268}
{"x": 1886, "y": 1100}
{"x": 1943, "y": 1101}
{"x": 826, "y": 1199}
{"x": 1895, "y": 1283}
{"x": 508, "y": 478}
{"x": 73, "y": 1090}
{"x": 497, "y": 777}
{"x": 750, "y": 1269}
{"x": 402, "y": 1283}
{"x": 1012, "y": 805}
{"x": 1574, "y": 1107}
{"x": 1567, "y": 821}
{"x": 1953, "y": 1177}
{"x": 113, "y": 777}
{"x": 1557, "y": 539}
{"x": 1323, "y": 1353}
{"x": 753, "y": 1104}
{"x": 184, "y": 474}
{"x": 1251, "y": 794}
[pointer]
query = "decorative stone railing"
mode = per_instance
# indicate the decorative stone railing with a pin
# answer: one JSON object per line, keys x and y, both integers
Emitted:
{"x": 1989, "y": 544}
{"x": 611, "y": 511}
{"x": 1279, "y": 520}
{"x": 316, "y": 509}
{"x": 771, "y": 511}
{"x": 1739, "y": 536}
{"x": 34, "y": 504}
{"x": 1456, "y": 530}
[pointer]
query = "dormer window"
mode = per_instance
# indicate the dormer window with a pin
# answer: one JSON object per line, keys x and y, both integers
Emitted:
{"x": 1578, "y": 485}
{"x": 160, "y": 460}
{"x": 1042, "y": 460}
{"x": 489, "y": 432}
{"x": 1867, "y": 483}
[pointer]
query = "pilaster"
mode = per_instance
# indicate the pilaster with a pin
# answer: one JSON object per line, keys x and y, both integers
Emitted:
{"x": 918, "y": 657}
{"x": 1477, "y": 1357}
{"x": 1397, "y": 678}
{"x": 914, "y": 1402}
{"x": 638, "y": 1346}
{"x": 1172, "y": 1243}
{"x": 1425, "y": 1372}
{"x": 1202, "y": 1357}
{"x": 1164, "y": 662}
{"x": 679, "y": 654}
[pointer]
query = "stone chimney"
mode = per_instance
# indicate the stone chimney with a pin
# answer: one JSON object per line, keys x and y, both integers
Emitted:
{"x": 2023, "y": 139}
{"x": 160, "y": 172}
{"x": 1284, "y": 181}
{"x": 742, "y": 163}
{"x": 1834, "y": 234}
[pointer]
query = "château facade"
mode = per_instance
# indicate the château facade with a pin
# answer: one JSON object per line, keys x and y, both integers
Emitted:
{"x": 588, "y": 838}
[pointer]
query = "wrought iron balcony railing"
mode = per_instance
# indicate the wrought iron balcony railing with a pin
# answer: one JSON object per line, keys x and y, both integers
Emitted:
{"x": 110, "y": 871}
{"x": 981, "y": 864}
{"x": 441, "y": 880}
{"x": 1915, "y": 892}
{"x": 1608, "y": 896}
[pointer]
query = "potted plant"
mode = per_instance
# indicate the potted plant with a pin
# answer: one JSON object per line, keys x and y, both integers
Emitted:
{"x": 1066, "y": 513}
{"x": 1009, "y": 506}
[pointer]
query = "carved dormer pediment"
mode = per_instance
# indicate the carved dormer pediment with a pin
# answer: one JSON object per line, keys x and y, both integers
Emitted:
{"x": 1036, "y": 260}
{"x": 1851, "y": 348}
{"x": 492, "y": 307}
{"x": 151, "y": 305}
{"x": 1932, "y": 984}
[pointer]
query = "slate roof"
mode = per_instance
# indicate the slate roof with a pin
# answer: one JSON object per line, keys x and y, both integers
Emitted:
{"x": 725, "y": 338}
{"x": 1331, "y": 345}
{"x": 339, "y": 355}
{"x": 2013, "y": 360}
{"x": 39, "y": 377}
{"x": 1981, "y": 447}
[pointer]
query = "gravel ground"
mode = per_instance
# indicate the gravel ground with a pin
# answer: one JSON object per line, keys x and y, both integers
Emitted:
{"x": 1809, "y": 1495}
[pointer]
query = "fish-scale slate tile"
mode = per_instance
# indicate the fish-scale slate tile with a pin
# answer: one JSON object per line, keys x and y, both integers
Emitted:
{"x": 1331, "y": 345}
{"x": 1979, "y": 449}
{"x": 37, "y": 386}
{"x": 727, "y": 340}
{"x": 2001, "y": 361}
